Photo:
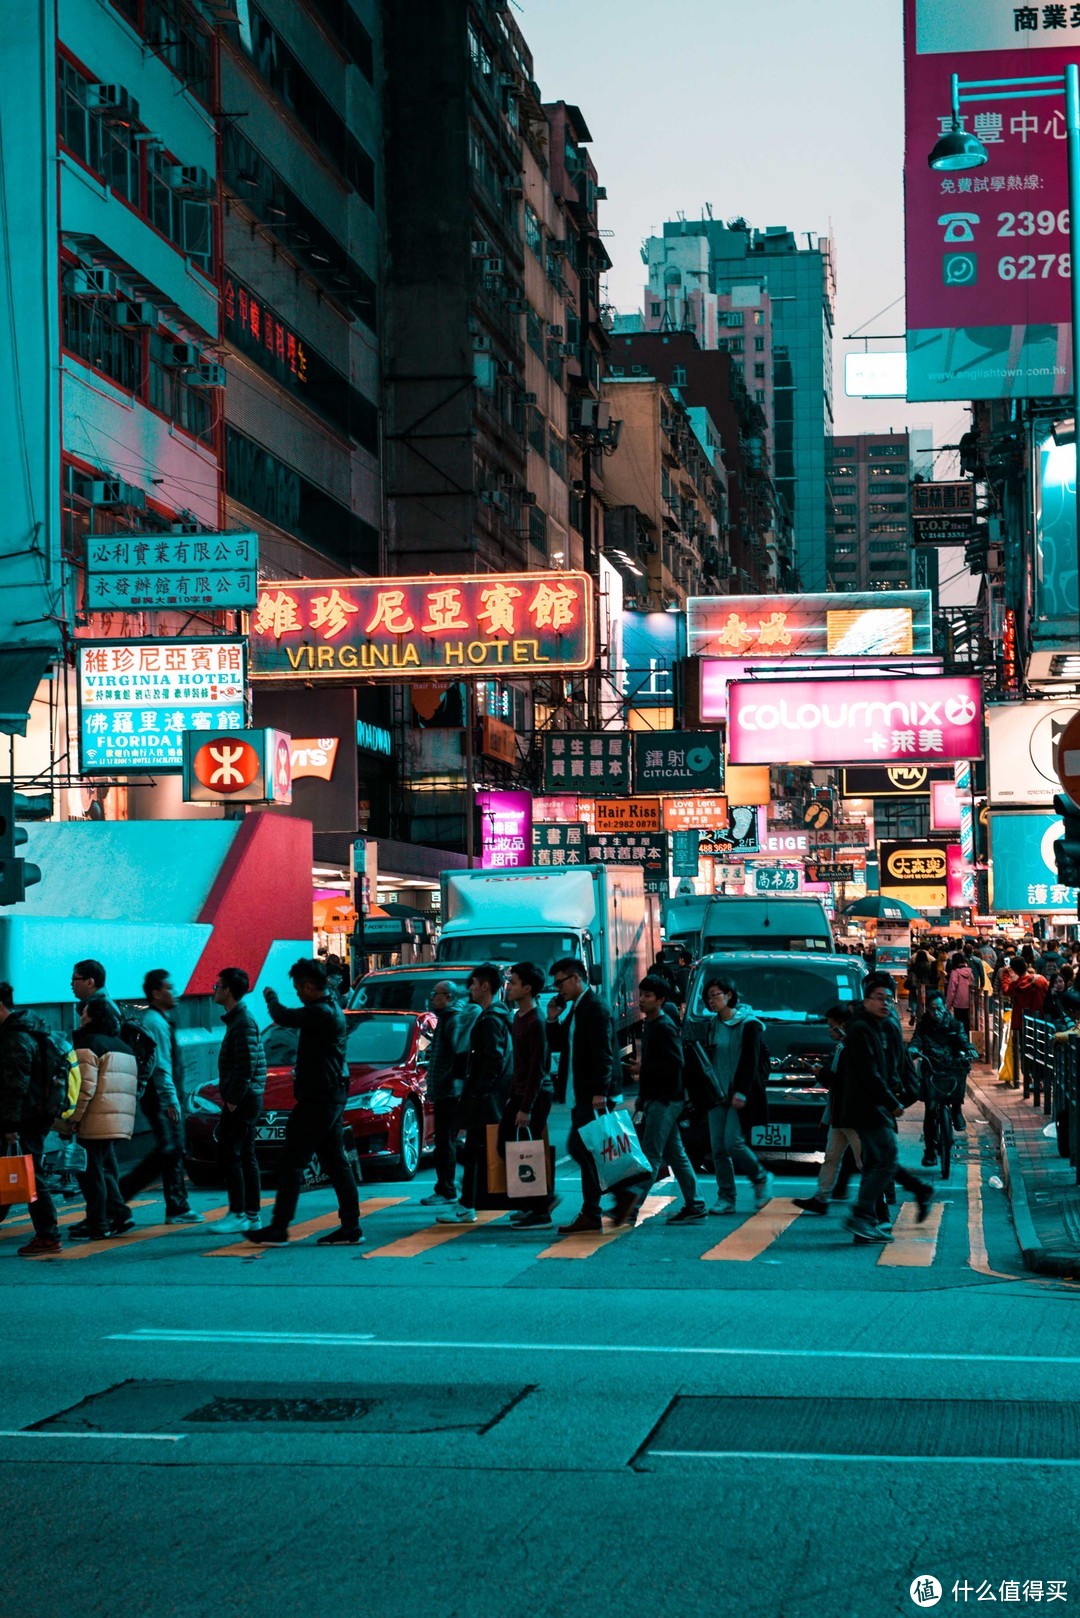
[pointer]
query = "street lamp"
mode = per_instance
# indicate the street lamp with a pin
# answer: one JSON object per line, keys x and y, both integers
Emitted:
{"x": 959, "y": 150}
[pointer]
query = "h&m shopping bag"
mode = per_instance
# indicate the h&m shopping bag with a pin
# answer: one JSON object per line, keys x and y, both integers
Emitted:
{"x": 17, "y": 1182}
{"x": 527, "y": 1168}
{"x": 616, "y": 1151}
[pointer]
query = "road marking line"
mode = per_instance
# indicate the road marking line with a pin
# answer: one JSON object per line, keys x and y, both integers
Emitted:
{"x": 915, "y": 1246}
{"x": 144, "y": 1233}
{"x": 146, "y": 1438}
{"x": 422, "y": 1241}
{"x": 978, "y": 1257}
{"x": 149, "y": 1334}
{"x": 756, "y": 1233}
{"x": 890, "y": 1460}
{"x": 591, "y": 1241}
{"x": 297, "y": 1233}
{"x": 72, "y": 1218}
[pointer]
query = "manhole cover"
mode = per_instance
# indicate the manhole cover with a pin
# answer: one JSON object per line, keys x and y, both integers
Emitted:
{"x": 1012, "y": 1429}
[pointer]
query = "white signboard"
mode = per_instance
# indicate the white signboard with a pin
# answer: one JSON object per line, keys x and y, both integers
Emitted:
{"x": 1022, "y": 737}
{"x": 137, "y": 698}
{"x": 164, "y": 572}
{"x": 876, "y": 376}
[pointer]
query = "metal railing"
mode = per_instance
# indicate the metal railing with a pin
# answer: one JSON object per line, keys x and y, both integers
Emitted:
{"x": 1049, "y": 1067}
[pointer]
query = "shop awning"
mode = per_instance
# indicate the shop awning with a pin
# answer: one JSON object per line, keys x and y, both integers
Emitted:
{"x": 21, "y": 670}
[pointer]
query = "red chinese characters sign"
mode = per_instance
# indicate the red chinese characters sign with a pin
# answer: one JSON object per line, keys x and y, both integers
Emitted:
{"x": 399, "y": 628}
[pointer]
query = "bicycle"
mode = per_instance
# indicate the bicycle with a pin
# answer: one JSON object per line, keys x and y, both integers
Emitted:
{"x": 940, "y": 1091}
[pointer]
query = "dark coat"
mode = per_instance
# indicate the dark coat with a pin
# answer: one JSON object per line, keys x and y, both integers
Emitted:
{"x": 661, "y": 1076}
{"x": 870, "y": 1069}
{"x": 241, "y": 1059}
{"x": 22, "y": 1073}
{"x": 450, "y": 1050}
{"x": 585, "y": 1044}
{"x": 745, "y": 1081}
{"x": 319, "y": 1074}
{"x": 490, "y": 1068}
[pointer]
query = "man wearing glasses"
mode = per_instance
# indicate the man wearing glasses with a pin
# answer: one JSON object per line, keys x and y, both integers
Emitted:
{"x": 588, "y": 1074}
{"x": 870, "y": 1104}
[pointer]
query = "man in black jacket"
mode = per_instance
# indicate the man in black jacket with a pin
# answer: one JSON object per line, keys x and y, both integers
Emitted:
{"x": 445, "y": 1075}
{"x": 486, "y": 1087}
{"x": 661, "y": 1098}
{"x": 25, "y": 1118}
{"x": 531, "y": 1091}
{"x": 241, "y": 1081}
{"x": 321, "y": 1085}
{"x": 589, "y": 1074}
{"x": 870, "y": 1103}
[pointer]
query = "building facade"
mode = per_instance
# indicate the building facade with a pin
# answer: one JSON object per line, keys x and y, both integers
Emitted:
{"x": 870, "y": 513}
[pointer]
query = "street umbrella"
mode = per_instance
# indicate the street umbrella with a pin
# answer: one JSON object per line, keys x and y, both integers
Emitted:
{"x": 876, "y": 907}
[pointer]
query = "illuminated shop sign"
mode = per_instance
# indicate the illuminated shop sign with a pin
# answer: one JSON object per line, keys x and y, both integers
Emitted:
{"x": 870, "y": 623}
{"x": 137, "y": 699}
{"x": 855, "y": 721}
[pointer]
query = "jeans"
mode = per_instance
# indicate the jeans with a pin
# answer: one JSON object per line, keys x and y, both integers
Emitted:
{"x": 590, "y": 1180}
{"x": 473, "y": 1166}
{"x": 100, "y": 1186}
{"x": 730, "y": 1151}
{"x": 166, "y": 1158}
{"x": 315, "y": 1127}
{"x": 661, "y": 1141}
{"x": 236, "y": 1154}
{"x": 880, "y": 1149}
{"x": 538, "y": 1118}
{"x": 42, "y": 1210}
{"x": 446, "y": 1133}
{"x": 838, "y": 1143}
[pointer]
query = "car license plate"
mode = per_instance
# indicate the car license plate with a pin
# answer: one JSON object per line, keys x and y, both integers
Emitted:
{"x": 770, "y": 1135}
{"x": 270, "y": 1132}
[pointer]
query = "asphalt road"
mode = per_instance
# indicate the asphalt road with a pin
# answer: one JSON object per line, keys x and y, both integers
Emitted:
{"x": 751, "y": 1417}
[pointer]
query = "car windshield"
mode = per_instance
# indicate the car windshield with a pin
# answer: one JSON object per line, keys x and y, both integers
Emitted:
{"x": 404, "y": 993}
{"x": 781, "y": 991}
{"x": 540, "y": 948}
{"x": 371, "y": 1041}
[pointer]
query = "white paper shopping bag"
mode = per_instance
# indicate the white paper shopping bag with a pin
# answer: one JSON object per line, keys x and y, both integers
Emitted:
{"x": 526, "y": 1168}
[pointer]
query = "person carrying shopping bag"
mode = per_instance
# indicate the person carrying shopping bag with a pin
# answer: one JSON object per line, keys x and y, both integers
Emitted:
{"x": 736, "y": 1049}
{"x": 105, "y": 1114}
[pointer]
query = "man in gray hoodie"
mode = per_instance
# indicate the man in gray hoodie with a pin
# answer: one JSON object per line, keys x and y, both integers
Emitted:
{"x": 734, "y": 1042}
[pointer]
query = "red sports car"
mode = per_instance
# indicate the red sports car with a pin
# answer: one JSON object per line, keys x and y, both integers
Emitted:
{"x": 387, "y": 1109}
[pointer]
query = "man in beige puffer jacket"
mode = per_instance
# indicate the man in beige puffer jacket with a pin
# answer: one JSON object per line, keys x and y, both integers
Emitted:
{"x": 105, "y": 1113}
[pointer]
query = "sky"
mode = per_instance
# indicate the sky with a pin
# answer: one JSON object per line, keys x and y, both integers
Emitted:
{"x": 788, "y": 112}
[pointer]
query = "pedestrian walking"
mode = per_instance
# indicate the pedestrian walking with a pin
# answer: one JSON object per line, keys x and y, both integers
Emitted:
{"x": 1026, "y": 991}
{"x": 588, "y": 1075}
{"x": 661, "y": 1099}
{"x": 314, "y": 1126}
{"x": 447, "y": 1059}
{"x": 959, "y": 991}
{"x": 943, "y": 1043}
{"x": 241, "y": 1083}
{"x": 870, "y": 1103}
{"x": 161, "y": 1103}
{"x": 484, "y": 1093}
{"x": 532, "y": 1089}
{"x": 682, "y": 977}
{"x": 736, "y": 1046}
{"x": 104, "y": 1114}
{"x": 840, "y": 1140}
{"x": 921, "y": 975}
{"x": 26, "y": 1112}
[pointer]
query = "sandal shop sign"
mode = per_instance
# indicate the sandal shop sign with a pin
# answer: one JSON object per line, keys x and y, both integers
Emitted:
{"x": 338, "y": 629}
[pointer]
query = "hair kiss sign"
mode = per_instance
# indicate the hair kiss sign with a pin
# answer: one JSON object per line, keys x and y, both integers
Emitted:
{"x": 911, "y": 720}
{"x": 237, "y": 766}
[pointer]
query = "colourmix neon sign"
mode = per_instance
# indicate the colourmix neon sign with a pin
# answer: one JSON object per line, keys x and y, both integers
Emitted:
{"x": 855, "y": 722}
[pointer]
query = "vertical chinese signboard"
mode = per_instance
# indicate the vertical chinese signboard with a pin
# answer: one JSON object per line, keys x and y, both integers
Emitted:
{"x": 587, "y": 761}
{"x": 506, "y": 829}
{"x": 987, "y": 251}
{"x": 557, "y": 844}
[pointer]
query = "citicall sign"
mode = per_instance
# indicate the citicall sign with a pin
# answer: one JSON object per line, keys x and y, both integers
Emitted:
{"x": 912, "y": 720}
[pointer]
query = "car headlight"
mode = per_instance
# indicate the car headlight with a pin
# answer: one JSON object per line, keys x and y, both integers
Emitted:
{"x": 200, "y": 1103}
{"x": 373, "y": 1101}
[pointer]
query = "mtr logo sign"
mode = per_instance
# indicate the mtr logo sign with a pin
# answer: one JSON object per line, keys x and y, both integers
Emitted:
{"x": 238, "y": 766}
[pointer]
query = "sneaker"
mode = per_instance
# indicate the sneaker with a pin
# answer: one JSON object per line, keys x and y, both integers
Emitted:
{"x": 582, "y": 1225}
{"x": 41, "y": 1247}
{"x": 627, "y": 1204}
{"x": 691, "y": 1213}
{"x": 537, "y": 1219}
{"x": 859, "y": 1225}
{"x": 82, "y": 1232}
{"x": 924, "y": 1197}
{"x": 929, "y": 1159}
{"x": 815, "y": 1205}
{"x": 188, "y": 1217}
{"x": 78, "y": 1230}
{"x": 122, "y": 1226}
{"x": 437, "y": 1200}
{"x": 875, "y": 1236}
{"x": 457, "y": 1216}
{"x": 762, "y": 1191}
{"x": 236, "y": 1222}
{"x": 959, "y": 1122}
{"x": 267, "y": 1236}
{"x": 341, "y": 1238}
{"x": 722, "y": 1207}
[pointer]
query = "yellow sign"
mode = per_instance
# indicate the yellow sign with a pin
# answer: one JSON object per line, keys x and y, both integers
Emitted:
{"x": 915, "y": 873}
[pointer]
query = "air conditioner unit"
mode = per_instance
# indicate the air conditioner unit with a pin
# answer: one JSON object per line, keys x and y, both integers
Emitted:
{"x": 493, "y": 266}
{"x": 601, "y": 193}
{"x": 528, "y": 498}
{"x": 190, "y": 180}
{"x": 113, "y": 103}
{"x": 554, "y": 331}
{"x": 528, "y": 398}
{"x": 514, "y": 188}
{"x": 481, "y": 343}
{"x": 567, "y": 350}
{"x": 91, "y": 283}
{"x": 509, "y": 83}
{"x": 480, "y": 249}
{"x": 184, "y": 357}
{"x": 133, "y": 315}
{"x": 114, "y": 492}
{"x": 207, "y": 375}
{"x": 184, "y": 528}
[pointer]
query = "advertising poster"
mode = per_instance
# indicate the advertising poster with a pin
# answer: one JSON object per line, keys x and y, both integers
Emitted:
{"x": 1022, "y": 739}
{"x": 838, "y": 624}
{"x": 1023, "y": 875}
{"x": 505, "y": 829}
{"x": 987, "y": 250}
{"x": 679, "y": 761}
{"x": 137, "y": 698}
{"x": 909, "y": 720}
{"x": 916, "y": 872}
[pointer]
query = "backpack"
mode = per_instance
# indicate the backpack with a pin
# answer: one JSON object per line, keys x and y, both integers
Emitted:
{"x": 62, "y": 1074}
{"x": 143, "y": 1049}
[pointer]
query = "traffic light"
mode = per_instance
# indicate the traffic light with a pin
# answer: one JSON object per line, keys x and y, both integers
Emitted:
{"x": 1067, "y": 848}
{"x": 977, "y": 549}
{"x": 16, "y": 875}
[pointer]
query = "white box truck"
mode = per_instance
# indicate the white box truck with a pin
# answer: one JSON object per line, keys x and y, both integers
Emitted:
{"x": 598, "y": 913}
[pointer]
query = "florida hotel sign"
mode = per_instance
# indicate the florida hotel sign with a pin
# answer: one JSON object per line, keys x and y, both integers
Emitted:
{"x": 399, "y": 628}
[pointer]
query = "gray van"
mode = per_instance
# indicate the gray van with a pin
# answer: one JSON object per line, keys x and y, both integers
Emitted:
{"x": 734, "y": 922}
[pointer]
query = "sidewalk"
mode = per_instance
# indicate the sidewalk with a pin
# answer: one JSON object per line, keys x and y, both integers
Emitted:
{"x": 1042, "y": 1191}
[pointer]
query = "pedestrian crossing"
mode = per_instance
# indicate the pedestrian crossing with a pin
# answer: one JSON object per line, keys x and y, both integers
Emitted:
{"x": 747, "y": 1238}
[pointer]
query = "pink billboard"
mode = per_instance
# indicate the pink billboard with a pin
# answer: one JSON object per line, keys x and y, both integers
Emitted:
{"x": 909, "y": 720}
{"x": 944, "y": 806}
{"x": 506, "y": 829}
{"x": 987, "y": 250}
{"x": 960, "y": 878}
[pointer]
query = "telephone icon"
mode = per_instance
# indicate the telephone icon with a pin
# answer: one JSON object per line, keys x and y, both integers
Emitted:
{"x": 958, "y": 226}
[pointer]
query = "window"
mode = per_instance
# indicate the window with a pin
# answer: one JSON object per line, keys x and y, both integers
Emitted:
{"x": 538, "y": 529}
{"x": 844, "y": 528}
{"x": 534, "y": 236}
{"x": 109, "y": 149}
{"x": 846, "y": 548}
{"x": 759, "y": 370}
{"x": 535, "y": 429}
{"x": 759, "y": 317}
{"x": 654, "y": 309}
{"x": 678, "y": 376}
{"x": 736, "y": 345}
{"x": 759, "y": 395}
{"x": 844, "y": 471}
{"x": 478, "y": 53}
{"x": 556, "y": 453}
{"x": 89, "y": 333}
{"x": 887, "y": 451}
{"x": 534, "y": 332}
{"x": 884, "y": 547}
{"x": 759, "y": 345}
{"x": 848, "y": 509}
{"x": 189, "y": 407}
{"x": 845, "y": 566}
{"x": 888, "y": 527}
